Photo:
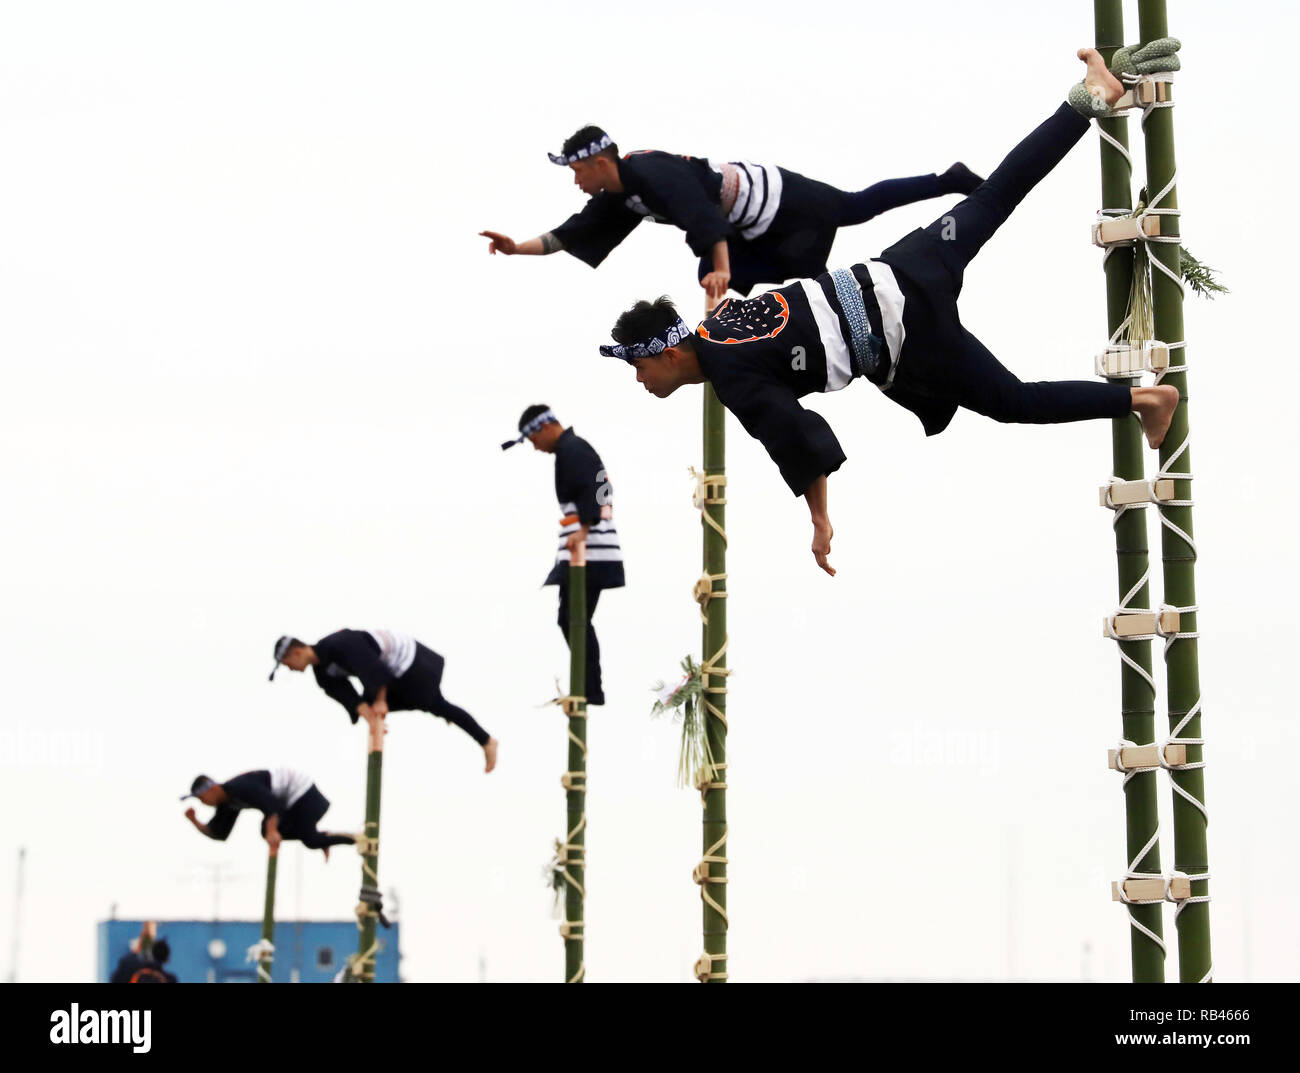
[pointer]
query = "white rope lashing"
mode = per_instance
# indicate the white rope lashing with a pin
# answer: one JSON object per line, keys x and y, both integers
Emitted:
{"x": 1126, "y": 608}
{"x": 1133, "y": 873}
{"x": 1167, "y": 472}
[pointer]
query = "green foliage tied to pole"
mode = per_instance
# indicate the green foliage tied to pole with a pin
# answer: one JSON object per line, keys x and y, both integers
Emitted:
{"x": 683, "y": 700}
{"x": 1137, "y": 687}
{"x": 1202, "y": 278}
{"x": 266, "y": 948}
{"x": 1178, "y": 546}
{"x": 569, "y": 869}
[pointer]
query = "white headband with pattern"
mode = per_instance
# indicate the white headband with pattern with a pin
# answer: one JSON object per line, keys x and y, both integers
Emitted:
{"x": 565, "y": 159}
{"x": 544, "y": 418}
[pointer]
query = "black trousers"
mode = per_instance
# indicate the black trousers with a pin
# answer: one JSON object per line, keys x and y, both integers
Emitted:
{"x": 595, "y": 691}
{"x": 940, "y": 357}
{"x": 420, "y": 689}
{"x": 300, "y": 821}
{"x": 800, "y": 238}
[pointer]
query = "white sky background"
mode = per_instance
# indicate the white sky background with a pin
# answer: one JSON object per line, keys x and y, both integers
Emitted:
{"x": 257, "y": 365}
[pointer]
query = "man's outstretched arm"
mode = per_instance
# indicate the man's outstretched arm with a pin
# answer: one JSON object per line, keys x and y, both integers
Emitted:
{"x": 821, "y": 520}
{"x": 535, "y": 247}
{"x": 199, "y": 825}
{"x": 802, "y": 445}
{"x": 220, "y": 826}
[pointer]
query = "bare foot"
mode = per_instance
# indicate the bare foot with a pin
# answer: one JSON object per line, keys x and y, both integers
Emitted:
{"x": 1100, "y": 82}
{"x": 490, "y": 749}
{"x": 1155, "y": 406}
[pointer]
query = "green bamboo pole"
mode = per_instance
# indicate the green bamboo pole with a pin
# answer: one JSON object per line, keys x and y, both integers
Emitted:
{"x": 573, "y": 853}
{"x": 363, "y": 965}
{"x": 268, "y": 921}
{"x": 711, "y": 873}
{"x": 1182, "y": 674}
{"x": 1137, "y": 687}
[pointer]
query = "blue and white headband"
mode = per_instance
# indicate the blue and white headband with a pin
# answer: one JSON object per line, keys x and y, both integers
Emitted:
{"x": 544, "y": 418}
{"x": 656, "y": 344}
{"x": 565, "y": 159}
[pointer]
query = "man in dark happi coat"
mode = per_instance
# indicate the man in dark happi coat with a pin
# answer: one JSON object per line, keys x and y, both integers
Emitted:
{"x": 892, "y": 321}
{"x": 747, "y": 223}
{"x": 586, "y": 500}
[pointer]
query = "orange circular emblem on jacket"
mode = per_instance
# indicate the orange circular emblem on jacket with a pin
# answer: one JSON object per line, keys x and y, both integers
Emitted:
{"x": 763, "y": 317}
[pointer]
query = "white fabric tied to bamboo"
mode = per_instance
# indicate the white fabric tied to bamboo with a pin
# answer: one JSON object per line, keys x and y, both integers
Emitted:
{"x": 262, "y": 952}
{"x": 263, "y": 948}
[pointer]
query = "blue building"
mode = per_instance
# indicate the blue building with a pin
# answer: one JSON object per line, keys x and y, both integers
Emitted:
{"x": 215, "y": 951}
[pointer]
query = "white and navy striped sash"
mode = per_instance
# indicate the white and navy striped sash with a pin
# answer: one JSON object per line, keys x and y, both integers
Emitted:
{"x": 396, "y": 650}
{"x": 758, "y": 196}
{"x": 602, "y": 538}
{"x": 884, "y": 303}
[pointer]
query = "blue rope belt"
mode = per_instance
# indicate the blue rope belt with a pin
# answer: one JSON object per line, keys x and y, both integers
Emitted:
{"x": 863, "y": 345}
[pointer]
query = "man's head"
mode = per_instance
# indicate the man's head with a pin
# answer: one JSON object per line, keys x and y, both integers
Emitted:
{"x": 292, "y": 653}
{"x": 654, "y": 339}
{"x": 592, "y": 156}
{"x": 539, "y": 425}
{"x": 207, "y": 790}
{"x": 160, "y": 951}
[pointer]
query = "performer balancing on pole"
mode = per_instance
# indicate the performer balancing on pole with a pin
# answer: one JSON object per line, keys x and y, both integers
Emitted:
{"x": 289, "y": 801}
{"x": 397, "y": 673}
{"x": 892, "y": 321}
{"x": 747, "y": 223}
{"x": 587, "y": 508}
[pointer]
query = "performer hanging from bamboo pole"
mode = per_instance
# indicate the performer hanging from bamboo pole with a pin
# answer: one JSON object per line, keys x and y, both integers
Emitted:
{"x": 397, "y": 673}
{"x": 747, "y": 223}
{"x": 587, "y": 507}
{"x": 289, "y": 801}
{"x": 892, "y": 321}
